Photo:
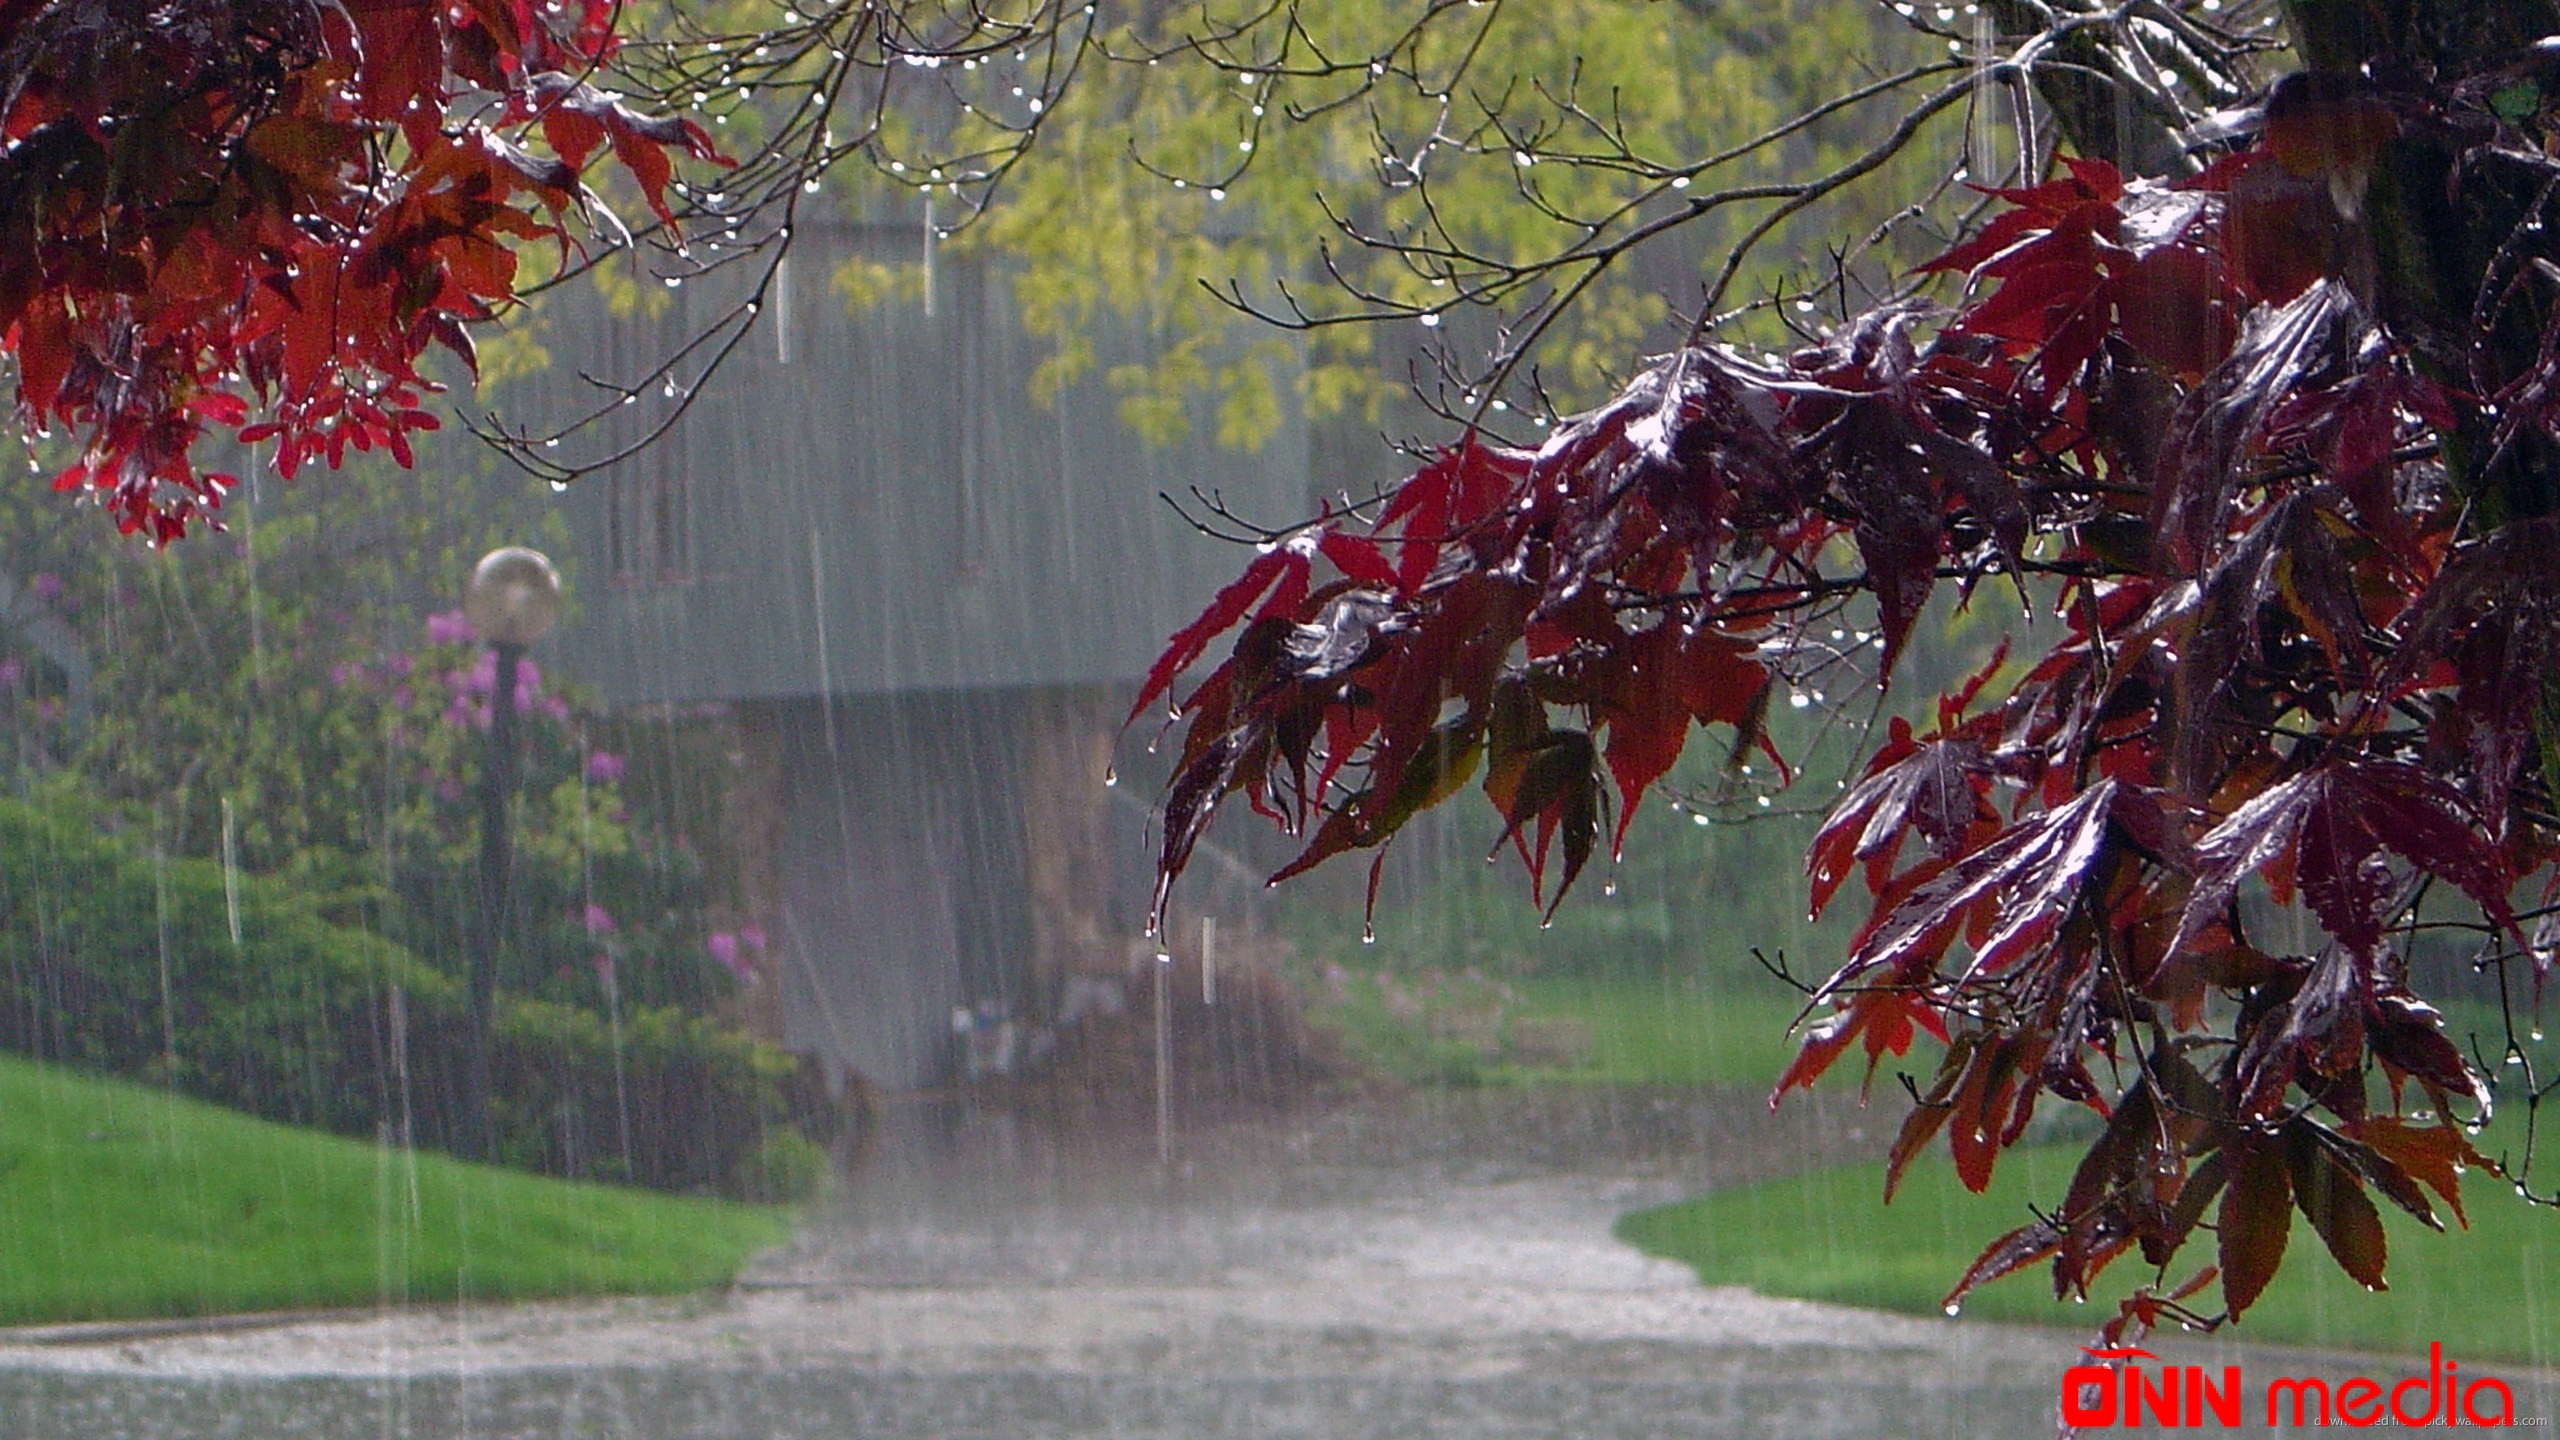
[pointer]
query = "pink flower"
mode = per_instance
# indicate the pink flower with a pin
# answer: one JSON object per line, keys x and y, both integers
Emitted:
{"x": 599, "y": 919}
{"x": 724, "y": 948}
{"x": 46, "y": 585}
{"x": 752, "y": 936}
{"x": 401, "y": 698}
{"x": 450, "y": 627}
{"x": 604, "y": 970}
{"x": 603, "y": 767}
{"x": 556, "y": 707}
{"x": 11, "y": 672}
{"x": 482, "y": 679}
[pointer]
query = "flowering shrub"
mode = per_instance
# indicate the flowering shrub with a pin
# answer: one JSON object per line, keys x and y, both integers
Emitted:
{"x": 286, "y": 694}
{"x": 598, "y": 903}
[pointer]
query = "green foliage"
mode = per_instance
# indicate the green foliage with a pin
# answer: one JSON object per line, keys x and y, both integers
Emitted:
{"x": 788, "y": 1168}
{"x": 299, "y": 690}
{"x": 126, "y": 1202}
{"x": 1162, "y": 182}
{"x": 116, "y": 960}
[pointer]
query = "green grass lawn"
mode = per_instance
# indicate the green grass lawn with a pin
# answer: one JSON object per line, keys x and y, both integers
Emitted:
{"x": 2492, "y": 1291}
{"x": 1670, "y": 1029}
{"x": 118, "y": 1201}
{"x": 1644, "y": 1026}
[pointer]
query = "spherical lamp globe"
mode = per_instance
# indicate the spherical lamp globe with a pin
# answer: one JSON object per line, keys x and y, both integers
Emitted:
{"x": 514, "y": 596}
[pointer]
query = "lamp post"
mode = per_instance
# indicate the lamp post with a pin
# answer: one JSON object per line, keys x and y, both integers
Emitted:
{"x": 512, "y": 601}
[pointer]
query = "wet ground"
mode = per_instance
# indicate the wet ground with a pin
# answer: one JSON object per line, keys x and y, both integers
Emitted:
{"x": 1424, "y": 1266}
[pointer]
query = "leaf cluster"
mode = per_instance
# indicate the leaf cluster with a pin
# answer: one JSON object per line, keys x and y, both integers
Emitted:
{"x": 253, "y": 218}
{"x": 2288, "y": 589}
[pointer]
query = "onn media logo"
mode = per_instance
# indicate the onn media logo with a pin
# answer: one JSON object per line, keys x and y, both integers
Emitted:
{"x": 2121, "y": 1392}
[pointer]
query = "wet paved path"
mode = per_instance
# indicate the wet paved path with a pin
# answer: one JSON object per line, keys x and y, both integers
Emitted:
{"x": 1360, "y": 1275}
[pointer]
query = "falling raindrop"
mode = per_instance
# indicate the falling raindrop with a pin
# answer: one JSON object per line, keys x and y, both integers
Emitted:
{"x": 231, "y": 869}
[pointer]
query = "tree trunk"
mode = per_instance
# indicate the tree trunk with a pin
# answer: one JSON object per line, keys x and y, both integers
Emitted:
{"x": 2437, "y": 233}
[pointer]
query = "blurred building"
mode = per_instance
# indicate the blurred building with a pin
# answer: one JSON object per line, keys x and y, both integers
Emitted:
{"x": 922, "y": 600}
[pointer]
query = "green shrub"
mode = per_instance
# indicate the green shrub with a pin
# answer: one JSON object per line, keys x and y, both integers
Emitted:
{"x": 115, "y": 961}
{"x": 788, "y": 1168}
